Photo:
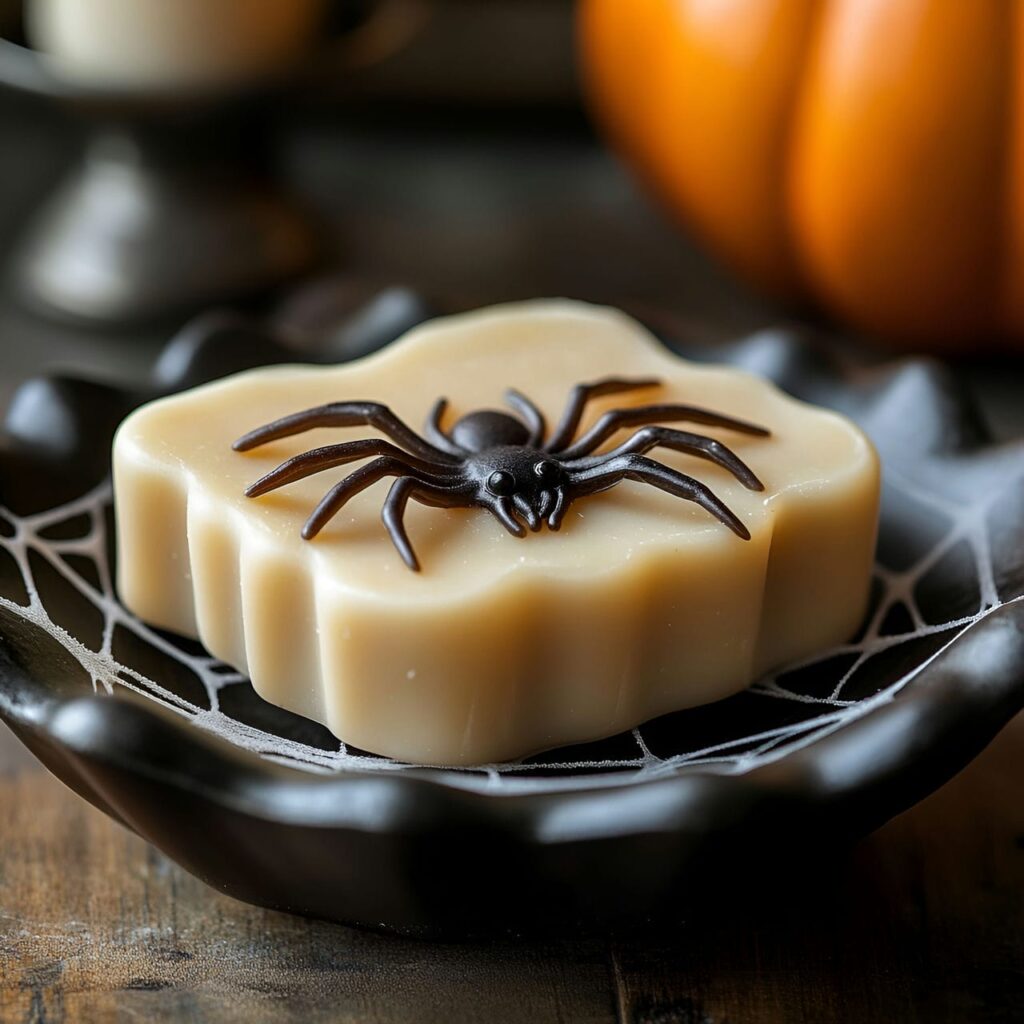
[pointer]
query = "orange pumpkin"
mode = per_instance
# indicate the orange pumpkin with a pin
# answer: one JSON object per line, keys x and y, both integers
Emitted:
{"x": 868, "y": 152}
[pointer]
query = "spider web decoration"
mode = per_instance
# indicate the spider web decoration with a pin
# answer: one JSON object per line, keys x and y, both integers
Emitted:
{"x": 63, "y": 558}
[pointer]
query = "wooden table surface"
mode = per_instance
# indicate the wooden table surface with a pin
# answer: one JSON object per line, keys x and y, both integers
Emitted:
{"x": 924, "y": 921}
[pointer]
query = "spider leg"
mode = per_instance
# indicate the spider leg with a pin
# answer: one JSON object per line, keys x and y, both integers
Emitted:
{"x": 353, "y": 484}
{"x": 647, "y": 471}
{"x": 614, "y": 420}
{"x": 435, "y": 432}
{"x": 680, "y": 441}
{"x": 393, "y": 514}
{"x": 558, "y": 510}
{"x": 583, "y": 393}
{"x": 547, "y": 499}
{"x": 319, "y": 459}
{"x": 503, "y": 514}
{"x": 345, "y": 414}
{"x": 531, "y": 415}
{"x": 524, "y": 509}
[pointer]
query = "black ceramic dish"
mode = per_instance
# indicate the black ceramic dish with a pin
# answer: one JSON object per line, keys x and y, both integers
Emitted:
{"x": 267, "y": 807}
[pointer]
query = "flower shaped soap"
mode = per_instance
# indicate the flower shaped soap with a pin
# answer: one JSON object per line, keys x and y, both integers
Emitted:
{"x": 555, "y": 572}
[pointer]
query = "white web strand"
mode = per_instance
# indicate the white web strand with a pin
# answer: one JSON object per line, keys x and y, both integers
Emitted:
{"x": 734, "y": 755}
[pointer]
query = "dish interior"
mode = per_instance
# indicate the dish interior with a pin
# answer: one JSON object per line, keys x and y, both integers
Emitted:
{"x": 950, "y": 551}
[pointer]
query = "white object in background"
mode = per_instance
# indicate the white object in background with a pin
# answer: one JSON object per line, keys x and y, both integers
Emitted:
{"x": 170, "y": 44}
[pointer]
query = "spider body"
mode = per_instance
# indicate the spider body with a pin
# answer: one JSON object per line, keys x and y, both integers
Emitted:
{"x": 506, "y": 464}
{"x": 489, "y": 428}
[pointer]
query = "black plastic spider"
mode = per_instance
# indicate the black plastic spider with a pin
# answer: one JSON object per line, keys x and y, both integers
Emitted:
{"x": 502, "y": 463}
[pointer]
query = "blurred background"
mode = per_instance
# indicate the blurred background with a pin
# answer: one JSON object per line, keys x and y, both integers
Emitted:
{"x": 293, "y": 157}
{"x": 855, "y": 167}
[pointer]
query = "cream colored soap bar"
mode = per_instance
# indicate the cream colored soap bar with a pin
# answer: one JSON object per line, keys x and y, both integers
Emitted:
{"x": 642, "y": 603}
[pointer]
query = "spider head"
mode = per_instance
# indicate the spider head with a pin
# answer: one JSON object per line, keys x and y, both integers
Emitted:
{"x": 519, "y": 477}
